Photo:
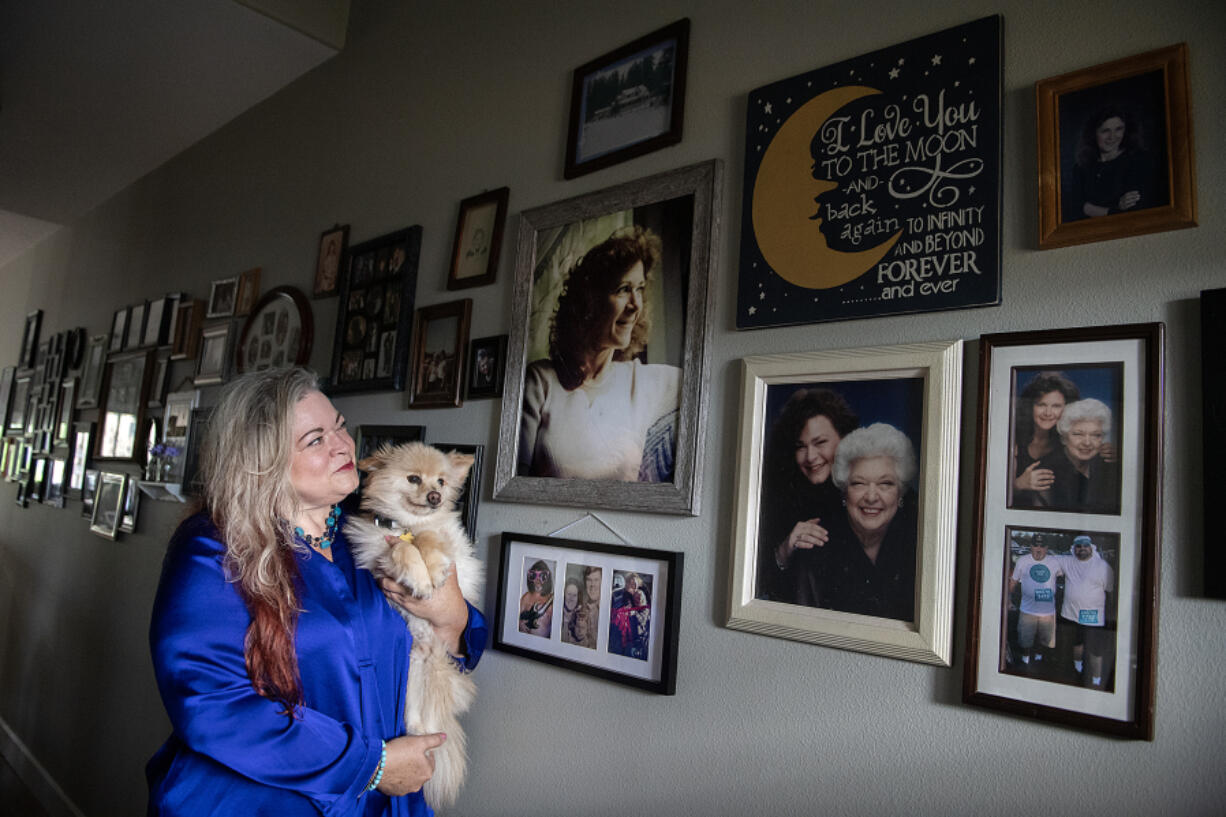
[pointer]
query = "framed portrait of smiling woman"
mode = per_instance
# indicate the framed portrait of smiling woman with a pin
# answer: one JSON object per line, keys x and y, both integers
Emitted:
{"x": 846, "y": 498}
{"x": 605, "y": 393}
{"x": 1064, "y": 586}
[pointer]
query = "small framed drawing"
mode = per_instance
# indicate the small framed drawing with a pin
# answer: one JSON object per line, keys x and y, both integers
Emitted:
{"x": 1064, "y": 578}
{"x": 332, "y": 246}
{"x": 82, "y": 444}
{"x": 440, "y": 338}
{"x": 628, "y": 102}
{"x": 618, "y": 616}
{"x": 93, "y": 366}
{"x": 370, "y": 349}
{"x": 487, "y": 365}
{"x": 478, "y": 239}
{"x": 89, "y": 490}
{"x": 248, "y": 291}
{"x": 122, "y": 414}
{"x": 846, "y": 500}
{"x": 214, "y": 354}
{"x": 1115, "y": 150}
{"x": 222, "y": 298}
{"x": 279, "y": 332}
{"x": 108, "y": 504}
{"x": 627, "y": 268}
{"x": 29, "y": 339}
{"x": 470, "y": 495}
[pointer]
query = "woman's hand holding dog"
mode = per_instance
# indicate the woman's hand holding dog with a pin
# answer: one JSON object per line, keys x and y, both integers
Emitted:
{"x": 445, "y": 609}
{"x": 409, "y": 763}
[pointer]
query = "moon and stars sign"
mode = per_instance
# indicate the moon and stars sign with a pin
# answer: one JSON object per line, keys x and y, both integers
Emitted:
{"x": 872, "y": 186}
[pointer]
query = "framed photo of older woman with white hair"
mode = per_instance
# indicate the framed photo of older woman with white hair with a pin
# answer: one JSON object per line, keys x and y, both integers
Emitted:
{"x": 1064, "y": 585}
{"x": 605, "y": 392}
{"x": 846, "y": 504}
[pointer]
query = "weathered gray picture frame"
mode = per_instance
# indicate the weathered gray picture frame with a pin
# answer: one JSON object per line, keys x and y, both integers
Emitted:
{"x": 702, "y": 185}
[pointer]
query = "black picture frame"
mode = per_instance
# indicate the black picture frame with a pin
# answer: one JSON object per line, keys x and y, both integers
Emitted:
{"x": 201, "y": 418}
{"x": 487, "y": 367}
{"x": 80, "y": 448}
{"x": 1213, "y": 412}
{"x": 89, "y": 490}
{"x": 93, "y": 365}
{"x": 624, "y": 85}
{"x": 628, "y": 647}
{"x": 330, "y": 260}
{"x": 7, "y": 377}
{"x": 440, "y": 340}
{"x": 121, "y": 415}
{"x": 374, "y": 317}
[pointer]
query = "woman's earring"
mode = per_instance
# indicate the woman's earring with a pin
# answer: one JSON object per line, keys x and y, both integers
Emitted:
{"x": 900, "y": 502}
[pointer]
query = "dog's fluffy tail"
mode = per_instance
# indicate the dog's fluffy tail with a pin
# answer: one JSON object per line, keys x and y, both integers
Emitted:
{"x": 443, "y": 693}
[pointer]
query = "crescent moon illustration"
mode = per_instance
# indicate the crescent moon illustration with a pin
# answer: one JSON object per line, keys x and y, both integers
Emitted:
{"x": 783, "y": 202}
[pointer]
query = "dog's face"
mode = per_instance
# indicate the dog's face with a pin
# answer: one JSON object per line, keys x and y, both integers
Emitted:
{"x": 413, "y": 479}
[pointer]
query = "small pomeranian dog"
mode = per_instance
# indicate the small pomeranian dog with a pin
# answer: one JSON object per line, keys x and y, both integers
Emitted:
{"x": 410, "y": 532}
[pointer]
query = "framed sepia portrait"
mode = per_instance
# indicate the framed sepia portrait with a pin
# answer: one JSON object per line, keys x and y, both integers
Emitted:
{"x": 487, "y": 364}
{"x": 332, "y": 246}
{"x": 1064, "y": 580}
{"x": 628, "y": 102}
{"x": 278, "y": 332}
{"x": 440, "y": 338}
{"x": 478, "y": 239}
{"x": 1115, "y": 150}
{"x": 611, "y": 611}
{"x": 248, "y": 291}
{"x": 370, "y": 348}
{"x": 611, "y": 310}
{"x": 846, "y": 499}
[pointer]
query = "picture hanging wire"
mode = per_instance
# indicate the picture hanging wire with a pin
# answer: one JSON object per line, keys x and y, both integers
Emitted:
{"x": 584, "y": 518}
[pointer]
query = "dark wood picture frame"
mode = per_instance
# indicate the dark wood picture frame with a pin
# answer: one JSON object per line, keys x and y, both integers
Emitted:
{"x": 628, "y": 649}
{"x": 615, "y": 85}
{"x": 29, "y": 339}
{"x": 1109, "y": 382}
{"x": 1166, "y": 185}
{"x": 477, "y": 247}
{"x": 487, "y": 367}
{"x": 121, "y": 413}
{"x": 279, "y": 332}
{"x": 438, "y": 370}
{"x": 370, "y": 348}
{"x": 248, "y": 292}
{"x": 189, "y": 316}
{"x": 330, "y": 260}
{"x": 223, "y": 297}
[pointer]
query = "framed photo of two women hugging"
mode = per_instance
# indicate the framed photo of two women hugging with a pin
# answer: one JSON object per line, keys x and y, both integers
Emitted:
{"x": 846, "y": 498}
{"x": 1064, "y": 586}
{"x": 605, "y": 393}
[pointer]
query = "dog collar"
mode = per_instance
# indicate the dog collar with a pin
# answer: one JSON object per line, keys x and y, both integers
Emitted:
{"x": 392, "y": 525}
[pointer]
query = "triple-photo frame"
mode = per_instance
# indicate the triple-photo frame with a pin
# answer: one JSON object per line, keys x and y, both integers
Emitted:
{"x": 611, "y": 611}
{"x": 1064, "y": 583}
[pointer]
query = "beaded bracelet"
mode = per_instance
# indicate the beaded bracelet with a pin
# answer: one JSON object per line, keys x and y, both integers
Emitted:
{"x": 377, "y": 777}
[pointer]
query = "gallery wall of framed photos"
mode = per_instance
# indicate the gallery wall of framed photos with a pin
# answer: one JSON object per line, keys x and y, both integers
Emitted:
{"x": 472, "y": 173}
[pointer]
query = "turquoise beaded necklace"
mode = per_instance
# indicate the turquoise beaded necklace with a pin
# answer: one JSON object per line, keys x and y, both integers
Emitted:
{"x": 322, "y": 542}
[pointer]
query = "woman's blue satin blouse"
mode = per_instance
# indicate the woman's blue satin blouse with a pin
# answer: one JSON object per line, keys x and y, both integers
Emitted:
{"x": 232, "y": 752}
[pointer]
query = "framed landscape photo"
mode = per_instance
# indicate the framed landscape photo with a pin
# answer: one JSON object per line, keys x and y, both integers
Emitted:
{"x": 628, "y": 269}
{"x": 628, "y": 102}
{"x": 1064, "y": 579}
{"x": 846, "y": 499}
{"x": 487, "y": 365}
{"x": 374, "y": 319}
{"x": 1115, "y": 150}
{"x": 478, "y": 239}
{"x": 248, "y": 291}
{"x": 611, "y": 611}
{"x": 332, "y": 246}
{"x": 279, "y": 332}
{"x": 440, "y": 339}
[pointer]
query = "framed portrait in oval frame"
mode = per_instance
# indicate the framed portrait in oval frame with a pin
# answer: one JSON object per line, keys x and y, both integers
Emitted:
{"x": 279, "y": 332}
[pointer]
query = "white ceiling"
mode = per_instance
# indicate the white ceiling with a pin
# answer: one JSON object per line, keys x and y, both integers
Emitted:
{"x": 94, "y": 95}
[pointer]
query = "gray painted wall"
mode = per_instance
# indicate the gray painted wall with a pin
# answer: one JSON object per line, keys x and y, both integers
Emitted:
{"x": 429, "y": 104}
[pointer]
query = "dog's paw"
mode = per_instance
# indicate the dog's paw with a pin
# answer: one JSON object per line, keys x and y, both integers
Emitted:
{"x": 411, "y": 571}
